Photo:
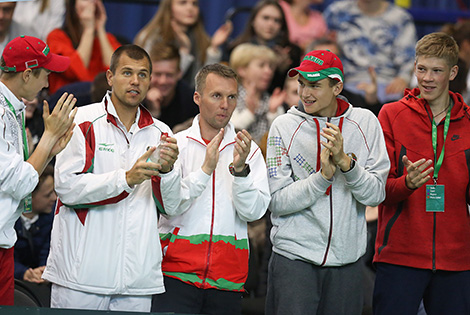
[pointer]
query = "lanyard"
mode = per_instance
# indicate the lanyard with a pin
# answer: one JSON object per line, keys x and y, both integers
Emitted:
{"x": 438, "y": 163}
{"x": 25, "y": 140}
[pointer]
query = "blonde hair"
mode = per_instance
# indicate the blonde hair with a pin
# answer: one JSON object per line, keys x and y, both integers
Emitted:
{"x": 159, "y": 30}
{"x": 438, "y": 45}
{"x": 243, "y": 54}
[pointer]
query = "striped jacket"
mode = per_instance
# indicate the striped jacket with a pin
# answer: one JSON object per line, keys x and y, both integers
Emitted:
{"x": 105, "y": 234}
{"x": 207, "y": 245}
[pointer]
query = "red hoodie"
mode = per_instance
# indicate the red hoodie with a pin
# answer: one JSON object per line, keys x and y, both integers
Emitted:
{"x": 408, "y": 235}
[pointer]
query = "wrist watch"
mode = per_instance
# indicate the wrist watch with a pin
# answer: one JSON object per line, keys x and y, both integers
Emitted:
{"x": 353, "y": 158}
{"x": 242, "y": 173}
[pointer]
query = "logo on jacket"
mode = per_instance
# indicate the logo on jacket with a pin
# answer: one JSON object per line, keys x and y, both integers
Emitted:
{"x": 455, "y": 137}
{"x": 108, "y": 147}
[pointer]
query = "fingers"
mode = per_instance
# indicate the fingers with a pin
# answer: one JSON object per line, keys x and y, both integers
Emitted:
{"x": 419, "y": 172}
{"x": 144, "y": 157}
{"x": 243, "y": 142}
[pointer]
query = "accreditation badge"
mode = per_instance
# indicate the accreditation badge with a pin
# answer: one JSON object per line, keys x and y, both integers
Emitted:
{"x": 28, "y": 204}
{"x": 434, "y": 198}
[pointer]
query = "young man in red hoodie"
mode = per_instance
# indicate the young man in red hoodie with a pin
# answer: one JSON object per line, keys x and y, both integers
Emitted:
{"x": 423, "y": 239}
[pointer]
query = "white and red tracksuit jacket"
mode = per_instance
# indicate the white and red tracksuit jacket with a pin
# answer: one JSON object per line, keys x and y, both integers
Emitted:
{"x": 105, "y": 236}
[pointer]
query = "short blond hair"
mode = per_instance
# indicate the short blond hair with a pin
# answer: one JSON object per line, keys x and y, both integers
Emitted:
{"x": 243, "y": 54}
{"x": 438, "y": 45}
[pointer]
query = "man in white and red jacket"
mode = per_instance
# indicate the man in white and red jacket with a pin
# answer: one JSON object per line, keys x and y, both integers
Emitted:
{"x": 105, "y": 251}
{"x": 224, "y": 186}
{"x": 423, "y": 238}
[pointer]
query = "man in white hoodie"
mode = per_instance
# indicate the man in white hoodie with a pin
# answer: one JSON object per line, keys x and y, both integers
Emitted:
{"x": 326, "y": 162}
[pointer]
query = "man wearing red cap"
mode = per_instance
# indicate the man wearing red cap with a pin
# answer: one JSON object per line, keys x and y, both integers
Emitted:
{"x": 25, "y": 64}
{"x": 326, "y": 162}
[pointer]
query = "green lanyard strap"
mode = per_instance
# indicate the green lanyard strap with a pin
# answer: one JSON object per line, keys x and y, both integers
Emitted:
{"x": 23, "y": 127}
{"x": 438, "y": 163}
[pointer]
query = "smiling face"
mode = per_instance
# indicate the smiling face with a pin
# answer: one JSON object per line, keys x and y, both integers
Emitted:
{"x": 319, "y": 97}
{"x": 433, "y": 75}
{"x": 185, "y": 12}
{"x": 216, "y": 103}
{"x": 130, "y": 82}
{"x": 165, "y": 76}
{"x": 267, "y": 23}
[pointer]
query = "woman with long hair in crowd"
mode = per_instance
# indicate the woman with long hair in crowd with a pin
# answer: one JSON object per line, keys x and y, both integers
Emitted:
{"x": 84, "y": 39}
{"x": 267, "y": 26}
{"x": 179, "y": 23}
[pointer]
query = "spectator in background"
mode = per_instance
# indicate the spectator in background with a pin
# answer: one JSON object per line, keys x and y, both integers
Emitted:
{"x": 179, "y": 23}
{"x": 291, "y": 95}
{"x": 267, "y": 26}
{"x": 83, "y": 38}
{"x": 41, "y": 15}
{"x": 460, "y": 31}
{"x": 304, "y": 23}
{"x": 256, "y": 108}
{"x": 9, "y": 29}
{"x": 34, "y": 231}
{"x": 169, "y": 98}
{"x": 378, "y": 34}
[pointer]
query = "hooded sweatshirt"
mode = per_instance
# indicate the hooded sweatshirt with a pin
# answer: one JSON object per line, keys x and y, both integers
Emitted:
{"x": 316, "y": 220}
{"x": 408, "y": 235}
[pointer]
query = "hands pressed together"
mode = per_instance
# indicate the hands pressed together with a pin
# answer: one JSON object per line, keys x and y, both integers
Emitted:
{"x": 332, "y": 154}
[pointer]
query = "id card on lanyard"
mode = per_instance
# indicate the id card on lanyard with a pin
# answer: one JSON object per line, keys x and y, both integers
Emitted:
{"x": 28, "y": 200}
{"x": 435, "y": 201}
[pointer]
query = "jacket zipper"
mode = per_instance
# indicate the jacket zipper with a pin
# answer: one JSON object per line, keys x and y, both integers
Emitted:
{"x": 211, "y": 232}
{"x": 331, "y": 229}
{"x": 434, "y": 243}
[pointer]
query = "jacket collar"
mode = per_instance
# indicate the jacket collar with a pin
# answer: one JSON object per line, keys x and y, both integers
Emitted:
{"x": 421, "y": 106}
{"x": 143, "y": 115}
{"x": 342, "y": 110}
{"x": 194, "y": 132}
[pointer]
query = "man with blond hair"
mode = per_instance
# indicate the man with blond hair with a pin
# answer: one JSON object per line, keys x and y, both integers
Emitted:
{"x": 422, "y": 250}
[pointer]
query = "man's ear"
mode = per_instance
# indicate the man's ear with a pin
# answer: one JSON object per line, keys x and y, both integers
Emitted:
{"x": 197, "y": 98}
{"x": 109, "y": 77}
{"x": 338, "y": 88}
{"x": 453, "y": 72}
{"x": 26, "y": 75}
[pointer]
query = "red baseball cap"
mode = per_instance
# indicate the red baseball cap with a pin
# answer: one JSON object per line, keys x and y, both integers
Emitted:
{"x": 27, "y": 52}
{"x": 318, "y": 65}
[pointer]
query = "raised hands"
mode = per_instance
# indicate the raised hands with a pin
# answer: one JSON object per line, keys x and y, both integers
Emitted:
{"x": 59, "y": 124}
{"x": 418, "y": 172}
{"x": 242, "y": 149}
{"x": 333, "y": 154}
{"x": 87, "y": 14}
{"x": 212, "y": 153}
{"x": 100, "y": 15}
{"x": 221, "y": 35}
